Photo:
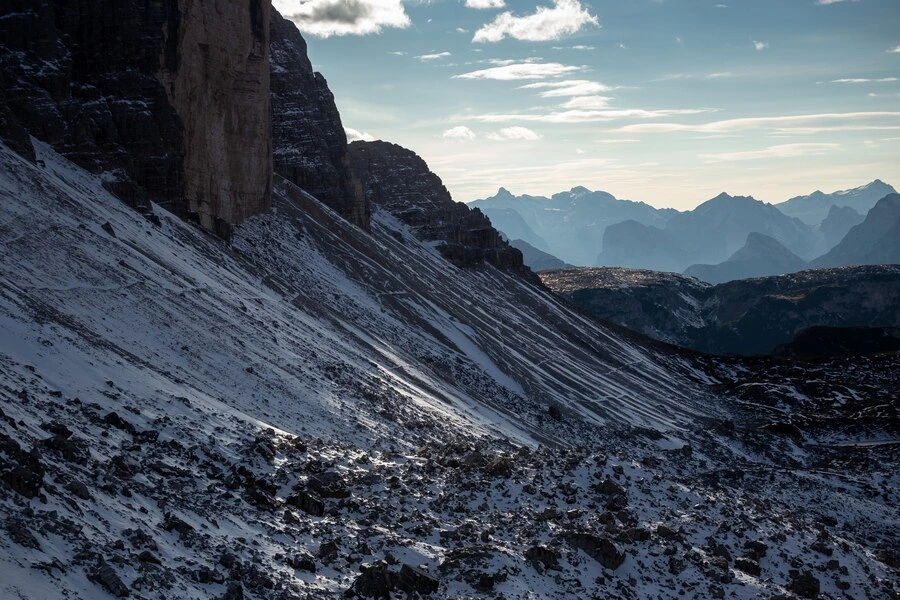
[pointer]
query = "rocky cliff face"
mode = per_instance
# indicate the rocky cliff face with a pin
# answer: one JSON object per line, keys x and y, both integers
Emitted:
{"x": 218, "y": 82}
{"x": 168, "y": 99}
{"x": 747, "y": 317}
{"x": 399, "y": 181}
{"x": 310, "y": 146}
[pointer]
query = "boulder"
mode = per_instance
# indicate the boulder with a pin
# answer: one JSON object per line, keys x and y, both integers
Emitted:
{"x": 600, "y": 549}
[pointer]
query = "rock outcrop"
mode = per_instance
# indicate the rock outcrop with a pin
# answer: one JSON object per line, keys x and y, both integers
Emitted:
{"x": 399, "y": 181}
{"x": 749, "y": 316}
{"x": 218, "y": 83}
{"x": 538, "y": 260}
{"x": 168, "y": 99}
{"x": 310, "y": 145}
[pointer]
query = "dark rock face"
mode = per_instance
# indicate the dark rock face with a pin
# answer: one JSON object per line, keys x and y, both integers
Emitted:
{"x": 81, "y": 76}
{"x": 22, "y": 471}
{"x": 397, "y": 180}
{"x": 804, "y": 584}
{"x": 219, "y": 85}
{"x": 600, "y": 549}
{"x": 131, "y": 88}
{"x": 749, "y": 317}
{"x": 310, "y": 145}
{"x": 842, "y": 341}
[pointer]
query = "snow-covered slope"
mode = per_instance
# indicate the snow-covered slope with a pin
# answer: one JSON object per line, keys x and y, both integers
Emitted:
{"x": 187, "y": 418}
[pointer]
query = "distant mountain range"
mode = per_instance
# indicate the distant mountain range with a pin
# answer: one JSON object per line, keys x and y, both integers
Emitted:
{"x": 538, "y": 260}
{"x": 724, "y": 238}
{"x": 813, "y": 209}
{"x": 874, "y": 241}
{"x": 569, "y": 225}
{"x": 761, "y": 256}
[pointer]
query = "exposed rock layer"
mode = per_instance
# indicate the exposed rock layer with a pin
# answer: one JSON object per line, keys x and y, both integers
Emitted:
{"x": 310, "y": 145}
{"x": 218, "y": 83}
{"x": 399, "y": 181}
{"x": 169, "y": 99}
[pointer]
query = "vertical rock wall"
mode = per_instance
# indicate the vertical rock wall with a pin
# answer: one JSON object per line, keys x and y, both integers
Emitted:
{"x": 81, "y": 75}
{"x": 169, "y": 99}
{"x": 310, "y": 146}
{"x": 218, "y": 81}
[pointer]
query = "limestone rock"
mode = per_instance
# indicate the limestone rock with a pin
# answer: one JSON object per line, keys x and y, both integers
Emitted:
{"x": 310, "y": 145}
{"x": 169, "y": 99}
{"x": 399, "y": 181}
{"x": 218, "y": 84}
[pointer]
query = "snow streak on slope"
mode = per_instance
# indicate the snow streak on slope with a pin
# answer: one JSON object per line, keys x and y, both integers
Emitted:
{"x": 310, "y": 316}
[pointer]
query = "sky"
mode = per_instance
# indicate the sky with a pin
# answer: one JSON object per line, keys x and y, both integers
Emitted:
{"x": 666, "y": 101}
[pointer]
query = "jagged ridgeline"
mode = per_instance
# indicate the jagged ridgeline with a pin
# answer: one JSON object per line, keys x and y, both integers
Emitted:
{"x": 173, "y": 102}
{"x": 193, "y": 106}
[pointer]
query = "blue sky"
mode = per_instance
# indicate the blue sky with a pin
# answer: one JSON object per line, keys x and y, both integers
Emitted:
{"x": 665, "y": 101}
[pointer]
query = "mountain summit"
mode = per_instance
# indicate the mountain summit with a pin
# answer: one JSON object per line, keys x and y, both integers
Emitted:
{"x": 760, "y": 256}
{"x": 812, "y": 209}
{"x": 571, "y": 224}
{"x": 874, "y": 241}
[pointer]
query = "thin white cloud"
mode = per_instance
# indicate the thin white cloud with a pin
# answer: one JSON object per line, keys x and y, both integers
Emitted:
{"x": 760, "y": 46}
{"x": 325, "y": 18}
{"x": 435, "y": 56}
{"x": 354, "y": 135}
{"x": 485, "y": 4}
{"x": 864, "y": 80}
{"x": 521, "y": 71}
{"x": 791, "y": 131}
{"x": 708, "y": 76}
{"x": 827, "y": 2}
{"x": 744, "y": 124}
{"x": 545, "y": 24}
{"x": 779, "y": 151}
{"x": 569, "y": 87}
{"x": 585, "y": 116}
{"x": 514, "y": 133}
{"x": 460, "y": 132}
{"x": 895, "y": 50}
{"x": 587, "y": 103}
